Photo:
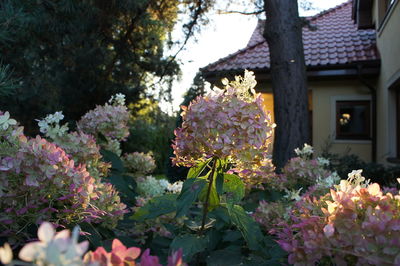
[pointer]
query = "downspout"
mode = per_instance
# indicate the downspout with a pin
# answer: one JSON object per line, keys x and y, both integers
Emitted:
{"x": 372, "y": 90}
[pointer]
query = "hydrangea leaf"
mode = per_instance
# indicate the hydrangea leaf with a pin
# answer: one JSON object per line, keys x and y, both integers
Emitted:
{"x": 234, "y": 188}
{"x": 246, "y": 225}
{"x": 198, "y": 169}
{"x": 190, "y": 191}
{"x": 191, "y": 245}
{"x": 155, "y": 207}
{"x": 114, "y": 159}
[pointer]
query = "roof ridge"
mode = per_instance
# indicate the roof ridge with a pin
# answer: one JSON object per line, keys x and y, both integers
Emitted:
{"x": 233, "y": 54}
{"x": 330, "y": 10}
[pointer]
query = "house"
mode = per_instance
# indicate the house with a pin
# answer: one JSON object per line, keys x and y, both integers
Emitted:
{"x": 353, "y": 70}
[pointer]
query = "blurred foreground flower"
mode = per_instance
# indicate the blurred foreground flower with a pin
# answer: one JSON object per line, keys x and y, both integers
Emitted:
{"x": 55, "y": 248}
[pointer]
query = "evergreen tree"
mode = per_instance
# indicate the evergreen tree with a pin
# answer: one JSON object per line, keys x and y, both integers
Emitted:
{"x": 71, "y": 55}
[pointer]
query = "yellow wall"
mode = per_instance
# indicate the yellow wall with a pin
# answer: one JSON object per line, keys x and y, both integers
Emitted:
{"x": 324, "y": 94}
{"x": 321, "y": 95}
{"x": 388, "y": 42}
{"x": 269, "y": 103}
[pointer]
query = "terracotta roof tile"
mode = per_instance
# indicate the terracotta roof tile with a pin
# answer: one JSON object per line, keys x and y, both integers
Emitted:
{"x": 336, "y": 41}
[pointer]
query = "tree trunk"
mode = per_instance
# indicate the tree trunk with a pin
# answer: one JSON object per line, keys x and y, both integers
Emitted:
{"x": 283, "y": 32}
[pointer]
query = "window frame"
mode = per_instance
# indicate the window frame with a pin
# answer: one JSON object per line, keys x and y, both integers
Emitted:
{"x": 385, "y": 8}
{"x": 365, "y": 138}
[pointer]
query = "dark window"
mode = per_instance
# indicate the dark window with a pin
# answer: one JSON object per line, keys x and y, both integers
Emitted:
{"x": 353, "y": 120}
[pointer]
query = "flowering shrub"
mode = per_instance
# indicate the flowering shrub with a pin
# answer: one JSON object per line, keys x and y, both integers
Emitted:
{"x": 303, "y": 171}
{"x": 139, "y": 163}
{"x": 150, "y": 187}
{"x": 119, "y": 255}
{"x": 109, "y": 120}
{"x": 54, "y": 249}
{"x": 302, "y": 177}
{"x": 39, "y": 181}
{"x": 228, "y": 124}
{"x": 62, "y": 249}
{"x": 353, "y": 224}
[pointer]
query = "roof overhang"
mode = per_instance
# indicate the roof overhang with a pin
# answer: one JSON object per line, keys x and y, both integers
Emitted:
{"x": 362, "y": 14}
{"x": 352, "y": 70}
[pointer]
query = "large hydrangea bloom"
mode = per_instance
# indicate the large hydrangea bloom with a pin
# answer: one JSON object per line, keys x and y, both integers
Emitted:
{"x": 110, "y": 120}
{"x": 354, "y": 224}
{"x": 40, "y": 181}
{"x": 227, "y": 124}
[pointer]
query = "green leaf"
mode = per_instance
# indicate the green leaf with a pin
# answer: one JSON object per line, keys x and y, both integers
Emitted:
{"x": 191, "y": 245}
{"x": 190, "y": 191}
{"x": 247, "y": 226}
{"x": 231, "y": 236}
{"x": 228, "y": 256}
{"x": 123, "y": 185}
{"x": 234, "y": 188}
{"x": 198, "y": 169}
{"x": 155, "y": 207}
{"x": 94, "y": 237}
{"x": 214, "y": 198}
{"x": 219, "y": 183}
{"x": 114, "y": 159}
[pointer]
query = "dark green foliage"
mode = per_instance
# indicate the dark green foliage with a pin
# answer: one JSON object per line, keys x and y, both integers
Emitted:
{"x": 191, "y": 245}
{"x": 151, "y": 130}
{"x": 377, "y": 173}
{"x": 190, "y": 191}
{"x": 71, "y": 55}
{"x": 156, "y": 206}
{"x": 249, "y": 228}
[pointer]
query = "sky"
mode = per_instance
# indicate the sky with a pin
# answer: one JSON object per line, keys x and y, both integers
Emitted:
{"x": 226, "y": 34}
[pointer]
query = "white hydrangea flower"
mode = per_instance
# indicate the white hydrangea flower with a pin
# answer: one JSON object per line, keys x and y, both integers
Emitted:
{"x": 175, "y": 187}
{"x": 6, "y": 254}
{"x": 306, "y": 151}
{"x": 50, "y": 125}
{"x": 55, "y": 248}
{"x": 6, "y": 121}
{"x": 117, "y": 99}
{"x": 329, "y": 181}
{"x": 323, "y": 161}
{"x": 150, "y": 186}
{"x": 293, "y": 194}
{"x": 354, "y": 180}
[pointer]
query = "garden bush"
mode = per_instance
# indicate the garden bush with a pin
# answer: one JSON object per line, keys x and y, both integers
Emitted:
{"x": 232, "y": 209}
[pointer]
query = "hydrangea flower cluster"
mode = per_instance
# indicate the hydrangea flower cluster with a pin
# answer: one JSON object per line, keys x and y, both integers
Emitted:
{"x": 356, "y": 224}
{"x": 227, "y": 124}
{"x": 39, "y": 181}
{"x": 306, "y": 152}
{"x": 120, "y": 255}
{"x": 83, "y": 149}
{"x": 139, "y": 163}
{"x": 6, "y": 121}
{"x": 110, "y": 120}
{"x": 55, "y": 248}
{"x": 50, "y": 125}
{"x": 150, "y": 186}
{"x": 63, "y": 249}
{"x": 301, "y": 177}
{"x": 305, "y": 171}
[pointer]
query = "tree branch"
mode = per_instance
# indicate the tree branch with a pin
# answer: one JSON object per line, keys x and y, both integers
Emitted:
{"x": 224, "y": 12}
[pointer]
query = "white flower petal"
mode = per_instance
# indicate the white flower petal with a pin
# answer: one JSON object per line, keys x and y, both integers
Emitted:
{"x": 46, "y": 232}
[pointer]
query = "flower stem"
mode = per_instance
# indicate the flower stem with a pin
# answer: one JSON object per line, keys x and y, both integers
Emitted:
{"x": 205, "y": 207}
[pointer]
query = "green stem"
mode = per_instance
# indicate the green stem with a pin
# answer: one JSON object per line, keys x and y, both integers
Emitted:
{"x": 205, "y": 207}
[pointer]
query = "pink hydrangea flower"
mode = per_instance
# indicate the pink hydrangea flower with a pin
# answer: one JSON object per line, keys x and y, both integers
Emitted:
{"x": 227, "y": 124}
